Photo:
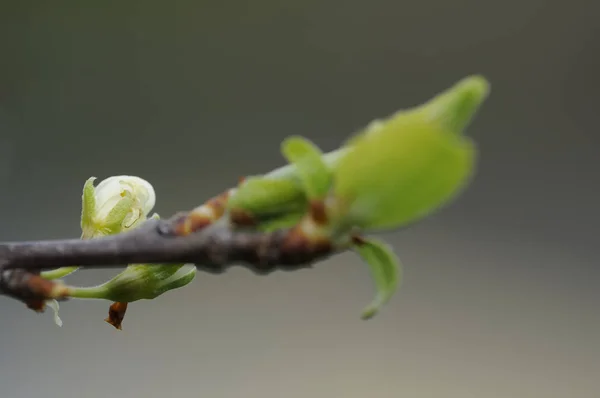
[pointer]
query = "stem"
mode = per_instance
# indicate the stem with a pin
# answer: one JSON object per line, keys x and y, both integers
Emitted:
{"x": 93, "y": 292}
{"x": 58, "y": 273}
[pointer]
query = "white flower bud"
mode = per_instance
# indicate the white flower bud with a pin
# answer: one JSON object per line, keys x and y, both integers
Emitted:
{"x": 117, "y": 204}
{"x": 110, "y": 191}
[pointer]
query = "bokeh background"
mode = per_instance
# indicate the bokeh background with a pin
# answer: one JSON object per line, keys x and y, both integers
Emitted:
{"x": 500, "y": 297}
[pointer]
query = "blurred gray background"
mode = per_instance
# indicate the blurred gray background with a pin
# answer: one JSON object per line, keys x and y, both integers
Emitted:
{"x": 500, "y": 297}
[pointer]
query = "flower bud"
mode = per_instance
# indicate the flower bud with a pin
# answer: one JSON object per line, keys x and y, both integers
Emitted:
{"x": 117, "y": 204}
{"x": 139, "y": 282}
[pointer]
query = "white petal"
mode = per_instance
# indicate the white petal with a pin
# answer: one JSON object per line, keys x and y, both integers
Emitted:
{"x": 107, "y": 189}
{"x": 53, "y": 304}
{"x": 145, "y": 193}
{"x": 108, "y": 192}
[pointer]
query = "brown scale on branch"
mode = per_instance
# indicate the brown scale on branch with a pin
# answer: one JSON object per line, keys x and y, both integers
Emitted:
{"x": 212, "y": 210}
{"x": 202, "y": 216}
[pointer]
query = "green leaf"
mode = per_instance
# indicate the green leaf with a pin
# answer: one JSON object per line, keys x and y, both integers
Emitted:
{"x": 409, "y": 165}
{"x": 454, "y": 108}
{"x": 385, "y": 269}
{"x": 312, "y": 170}
{"x": 263, "y": 197}
{"x": 88, "y": 204}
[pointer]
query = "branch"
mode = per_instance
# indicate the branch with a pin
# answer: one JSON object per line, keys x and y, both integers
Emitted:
{"x": 212, "y": 249}
{"x": 392, "y": 174}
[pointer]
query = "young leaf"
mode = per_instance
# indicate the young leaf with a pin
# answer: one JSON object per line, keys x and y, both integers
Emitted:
{"x": 385, "y": 269}
{"x": 410, "y": 164}
{"x": 310, "y": 165}
{"x": 455, "y": 107}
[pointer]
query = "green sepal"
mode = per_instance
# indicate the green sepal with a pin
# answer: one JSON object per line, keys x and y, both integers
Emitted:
{"x": 88, "y": 206}
{"x": 182, "y": 276}
{"x": 88, "y": 209}
{"x": 312, "y": 170}
{"x": 386, "y": 271}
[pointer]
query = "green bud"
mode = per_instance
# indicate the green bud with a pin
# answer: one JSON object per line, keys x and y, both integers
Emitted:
{"x": 139, "y": 282}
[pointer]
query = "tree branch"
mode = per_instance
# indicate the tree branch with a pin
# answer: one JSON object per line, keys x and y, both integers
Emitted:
{"x": 212, "y": 249}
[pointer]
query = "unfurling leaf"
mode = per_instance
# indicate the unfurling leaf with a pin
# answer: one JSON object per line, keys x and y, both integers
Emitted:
{"x": 385, "y": 269}
{"x": 310, "y": 165}
{"x": 454, "y": 108}
{"x": 410, "y": 164}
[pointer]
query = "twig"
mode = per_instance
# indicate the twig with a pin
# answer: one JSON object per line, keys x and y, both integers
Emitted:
{"x": 212, "y": 249}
